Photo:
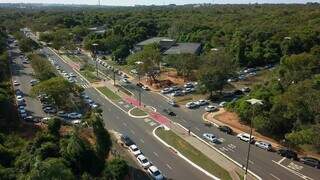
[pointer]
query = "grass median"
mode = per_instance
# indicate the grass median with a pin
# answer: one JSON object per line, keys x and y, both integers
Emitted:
{"x": 89, "y": 76}
{"x": 192, "y": 153}
{"x": 138, "y": 112}
{"x": 110, "y": 94}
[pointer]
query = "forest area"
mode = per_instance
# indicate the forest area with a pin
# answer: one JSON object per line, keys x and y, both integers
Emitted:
{"x": 287, "y": 36}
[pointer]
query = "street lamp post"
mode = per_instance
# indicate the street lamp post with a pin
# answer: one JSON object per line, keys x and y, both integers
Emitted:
{"x": 95, "y": 57}
{"x": 139, "y": 63}
{"x": 253, "y": 102}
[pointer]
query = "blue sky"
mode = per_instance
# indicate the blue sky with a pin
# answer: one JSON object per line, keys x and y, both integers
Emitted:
{"x": 157, "y": 2}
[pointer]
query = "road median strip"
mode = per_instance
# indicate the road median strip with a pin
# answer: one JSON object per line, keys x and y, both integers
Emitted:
{"x": 110, "y": 94}
{"x": 190, "y": 154}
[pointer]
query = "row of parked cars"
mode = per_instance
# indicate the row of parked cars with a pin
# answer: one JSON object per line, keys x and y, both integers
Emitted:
{"x": 180, "y": 91}
{"x": 152, "y": 170}
{"x": 248, "y": 72}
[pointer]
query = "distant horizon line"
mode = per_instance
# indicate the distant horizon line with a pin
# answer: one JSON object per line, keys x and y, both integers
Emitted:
{"x": 311, "y": 2}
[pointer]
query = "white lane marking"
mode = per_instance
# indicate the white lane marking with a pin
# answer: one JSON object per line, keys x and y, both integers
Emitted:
{"x": 295, "y": 167}
{"x": 125, "y": 124}
{"x": 231, "y": 150}
{"x": 281, "y": 160}
{"x": 294, "y": 172}
{"x": 274, "y": 176}
{"x": 155, "y": 154}
{"x": 132, "y": 132}
{"x": 184, "y": 120}
{"x": 251, "y": 162}
{"x": 168, "y": 166}
{"x": 142, "y": 141}
{"x": 197, "y": 129}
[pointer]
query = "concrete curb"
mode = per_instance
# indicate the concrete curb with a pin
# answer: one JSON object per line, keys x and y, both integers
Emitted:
{"x": 138, "y": 117}
{"x": 203, "y": 118}
{"x": 180, "y": 155}
{"x": 220, "y": 152}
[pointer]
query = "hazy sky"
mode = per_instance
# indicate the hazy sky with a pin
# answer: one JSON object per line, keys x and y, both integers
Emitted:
{"x": 157, "y": 2}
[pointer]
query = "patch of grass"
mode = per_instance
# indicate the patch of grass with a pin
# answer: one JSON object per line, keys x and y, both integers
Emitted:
{"x": 192, "y": 154}
{"x": 74, "y": 58}
{"x": 138, "y": 112}
{"x": 111, "y": 95}
{"x": 90, "y": 76}
{"x": 124, "y": 90}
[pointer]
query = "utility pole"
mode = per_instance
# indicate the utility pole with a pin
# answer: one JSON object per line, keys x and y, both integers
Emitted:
{"x": 139, "y": 63}
{"x": 254, "y": 103}
{"x": 95, "y": 57}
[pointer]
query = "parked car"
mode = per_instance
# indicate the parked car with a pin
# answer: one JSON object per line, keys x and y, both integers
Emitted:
{"x": 225, "y": 129}
{"x": 33, "y": 82}
{"x": 155, "y": 173}
{"x": 62, "y": 114}
{"x": 93, "y": 105}
{"x": 72, "y": 75}
{"x": 74, "y": 115}
{"x": 288, "y": 153}
{"x": 144, "y": 162}
{"x": 30, "y": 119}
{"x": 188, "y": 90}
{"x": 202, "y": 102}
{"x": 134, "y": 71}
{"x": 169, "y": 112}
{"x": 263, "y": 145}
{"x": 210, "y": 137}
{"x": 245, "y": 137}
{"x": 172, "y": 103}
{"x": 20, "y": 98}
{"x": 125, "y": 80}
{"x": 310, "y": 161}
{"x": 188, "y": 85}
{"x": 49, "y": 109}
{"x": 245, "y": 89}
{"x": 232, "y": 80}
{"x": 222, "y": 104}
{"x": 237, "y": 92}
{"x": 139, "y": 84}
{"x": 126, "y": 140}
{"x": 16, "y": 83}
{"x": 211, "y": 108}
{"x": 191, "y": 105}
{"x": 146, "y": 88}
{"x": 134, "y": 149}
{"x": 166, "y": 91}
{"x": 177, "y": 93}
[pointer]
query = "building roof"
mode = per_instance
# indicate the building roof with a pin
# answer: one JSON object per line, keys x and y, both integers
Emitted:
{"x": 154, "y": 40}
{"x": 184, "y": 48}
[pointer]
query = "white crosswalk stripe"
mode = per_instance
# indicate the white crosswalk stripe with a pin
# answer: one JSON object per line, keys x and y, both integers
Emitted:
{"x": 85, "y": 86}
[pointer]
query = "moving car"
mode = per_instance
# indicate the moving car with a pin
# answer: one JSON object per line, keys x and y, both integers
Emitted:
{"x": 191, "y": 105}
{"x": 288, "y": 153}
{"x": 126, "y": 140}
{"x": 211, "y": 108}
{"x": 225, "y": 129}
{"x": 245, "y": 137}
{"x": 134, "y": 149}
{"x": 169, "y": 112}
{"x": 310, "y": 161}
{"x": 143, "y": 161}
{"x": 155, "y": 173}
{"x": 210, "y": 137}
{"x": 263, "y": 145}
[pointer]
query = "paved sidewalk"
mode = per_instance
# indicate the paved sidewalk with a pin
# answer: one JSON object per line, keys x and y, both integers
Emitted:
{"x": 215, "y": 156}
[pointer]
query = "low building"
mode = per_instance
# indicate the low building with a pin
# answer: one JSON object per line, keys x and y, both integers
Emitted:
{"x": 163, "y": 42}
{"x": 184, "y": 48}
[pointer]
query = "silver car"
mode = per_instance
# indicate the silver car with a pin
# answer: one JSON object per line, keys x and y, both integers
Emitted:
{"x": 263, "y": 145}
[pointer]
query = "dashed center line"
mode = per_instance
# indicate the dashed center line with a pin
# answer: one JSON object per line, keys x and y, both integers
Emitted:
{"x": 274, "y": 176}
{"x": 168, "y": 166}
{"x": 155, "y": 154}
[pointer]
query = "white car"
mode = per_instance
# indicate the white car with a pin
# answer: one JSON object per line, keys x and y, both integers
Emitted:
{"x": 166, "y": 90}
{"x": 210, "y": 137}
{"x": 16, "y": 83}
{"x": 19, "y": 98}
{"x": 33, "y": 82}
{"x": 263, "y": 145}
{"x": 155, "y": 173}
{"x": 125, "y": 80}
{"x": 202, "y": 102}
{"x": 211, "y": 108}
{"x": 134, "y": 150}
{"x": 191, "y": 105}
{"x": 143, "y": 161}
{"x": 245, "y": 137}
{"x": 76, "y": 122}
{"x": 72, "y": 75}
{"x": 74, "y": 115}
{"x": 222, "y": 104}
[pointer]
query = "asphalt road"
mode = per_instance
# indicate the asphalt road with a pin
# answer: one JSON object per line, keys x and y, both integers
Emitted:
{"x": 268, "y": 165}
{"x": 23, "y": 73}
{"x": 140, "y": 131}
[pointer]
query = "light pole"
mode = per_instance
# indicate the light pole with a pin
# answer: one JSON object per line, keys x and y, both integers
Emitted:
{"x": 95, "y": 56}
{"x": 253, "y": 102}
{"x": 139, "y": 63}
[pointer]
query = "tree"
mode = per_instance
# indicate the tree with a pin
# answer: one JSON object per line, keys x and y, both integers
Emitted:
{"x": 150, "y": 58}
{"x": 213, "y": 74}
{"x": 54, "y": 125}
{"x": 48, "y": 149}
{"x": 117, "y": 167}
{"x": 185, "y": 64}
{"x": 28, "y": 45}
{"x": 53, "y": 168}
{"x": 120, "y": 53}
{"x": 42, "y": 68}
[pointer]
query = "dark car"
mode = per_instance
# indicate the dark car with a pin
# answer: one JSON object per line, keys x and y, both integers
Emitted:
{"x": 310, "y": 161}
{"x": 139, "y": 84}
{"x": 288, "y": 153}
{"x": 237, "y": 92}
{"x": 49, "y": 109}
{"x": 126, "y": 140}
{"x": 225, "y": 129}
{"x": 169, "y": 112}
